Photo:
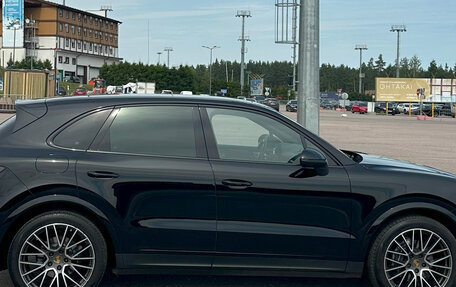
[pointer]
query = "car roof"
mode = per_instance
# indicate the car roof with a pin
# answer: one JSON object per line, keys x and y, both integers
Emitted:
{"x": 126, "y": 99}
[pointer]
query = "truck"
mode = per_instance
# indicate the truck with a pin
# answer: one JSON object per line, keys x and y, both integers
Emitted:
{"x": 145, "y": 88}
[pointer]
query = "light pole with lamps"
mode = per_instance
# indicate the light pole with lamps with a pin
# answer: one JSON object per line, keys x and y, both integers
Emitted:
{"x": 210, "y": 66}
{"x": 361, "y": 76}
{"x": 15, "y": 27}
{"x": 398, "y": 29}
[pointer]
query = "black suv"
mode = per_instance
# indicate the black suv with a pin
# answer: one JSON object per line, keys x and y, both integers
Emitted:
{"x": 170, "y": 184}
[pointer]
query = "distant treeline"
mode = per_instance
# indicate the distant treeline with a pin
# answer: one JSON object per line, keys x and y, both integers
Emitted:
{"x": 277, "y": 75}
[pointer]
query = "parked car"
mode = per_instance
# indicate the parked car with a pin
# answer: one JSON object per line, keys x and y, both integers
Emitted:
{"x": 187, "y": 93}
{"x": 380, "y": 108}
{"x": 226, "y": 187}
{"x": 252, "y": 100}
{"x": 404, "y": 108}
{"x": 272, "y": 103}
{"x": 61, "y": 92}
{"x": 167, "y": 92}
{"x": 359, "y": 107}
{"x": 81, "y": 91}
{"x": 292, "y": 106}
{"x": 259, "y": 99}
{"x": 241, "y": 98}
{"x": 72, "y": 79}
{"x": 448, "y": 109}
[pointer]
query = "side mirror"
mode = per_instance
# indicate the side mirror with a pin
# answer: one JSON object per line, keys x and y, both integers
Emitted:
{"x": 315, "y": 160}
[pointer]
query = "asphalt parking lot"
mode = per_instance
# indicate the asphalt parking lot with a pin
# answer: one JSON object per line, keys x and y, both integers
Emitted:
{"x": 431, "y": 143}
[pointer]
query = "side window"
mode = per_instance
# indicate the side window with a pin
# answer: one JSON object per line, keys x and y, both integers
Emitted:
{"x": 80, "y": 134}
{"x": 152, "y": 130}
{"x": 247, "y": 136}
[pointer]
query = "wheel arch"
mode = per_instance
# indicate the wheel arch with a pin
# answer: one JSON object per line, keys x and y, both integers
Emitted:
{"x": 430, "y": 206}
{"x": 52, "y": 200}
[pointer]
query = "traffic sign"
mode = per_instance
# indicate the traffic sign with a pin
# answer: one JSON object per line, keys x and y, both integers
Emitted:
{"x": 344, "y": 96}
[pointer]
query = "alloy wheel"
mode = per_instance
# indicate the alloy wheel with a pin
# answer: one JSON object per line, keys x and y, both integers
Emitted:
{"x": 57, "y": 255}
{"x": 418, "y": 258}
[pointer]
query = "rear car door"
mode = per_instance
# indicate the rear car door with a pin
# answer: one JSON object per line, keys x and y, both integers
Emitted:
{"x": 149, "y": 167}
{"x": 270, "y": 210}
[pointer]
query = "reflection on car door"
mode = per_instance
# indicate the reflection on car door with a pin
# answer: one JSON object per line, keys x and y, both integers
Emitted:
{"x": 150, "y": 163}
{"x": 273, "y": 219}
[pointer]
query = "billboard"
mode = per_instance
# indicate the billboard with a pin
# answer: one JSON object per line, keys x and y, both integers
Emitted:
{"x": 256, "y": 87}
{"x": 13, "y": 23}
{"x": 400, "y": 89}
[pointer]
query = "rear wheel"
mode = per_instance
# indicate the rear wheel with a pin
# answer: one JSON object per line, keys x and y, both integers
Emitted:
{"x": 57, "y": 249}
{"x": 413, "y": 251}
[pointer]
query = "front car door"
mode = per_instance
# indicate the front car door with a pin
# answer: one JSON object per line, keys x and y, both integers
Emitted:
{"x": 149, "y": 165}
{"x": 269, "y": 212}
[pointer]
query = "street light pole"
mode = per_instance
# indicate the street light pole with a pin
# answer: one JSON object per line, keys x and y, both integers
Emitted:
{"x": 398, "y": 29}
{"x": 14, "y": 45}
{"x": 360, "y": 48}
{"x": 159, "y": 55}
{"x": 168, "y": 49}
{"x": 210, "y": 66}
{"x": 309, "y": 66}
{"x": 243, "y": 39}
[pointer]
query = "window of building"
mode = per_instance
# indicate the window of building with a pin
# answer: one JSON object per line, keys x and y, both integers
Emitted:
{"x": 106, "y": 24}
{"x": 60, "y": 27}
{"x": 96, "y": 21}
{"x": 90, "y": 33}
{"x": 73, "y": 15}
{"x": 110, "y": 36}
{"x": 96, "y": 35}
{"x": 79, "y": 45}
{"x": 150, "y": 137}
{"x": 115, "y": 39}
{"x": 110, "y": 50}
{"x": 60, "y": 59}
{"x": 73, "y": 61}
{"x": 67, "y": 60}
{"x": 91, "y": 20}
{"x": 67, "y": 43}
{"x": 73, "y": 44}
{"x": 67, "y": 14}
{"x": 79, "y": 31}
{"x": 79, "y": 135}
{"x": 85, "y": 46}
{"x": 90, "y": 47}
{"x": 85, "y": 19}
{"x": 101, "y": 35}
{"x": 72, "y": 29}
{"x": 60, "y": 12}
{"x": 106, "y": 49}
{"x": 66, "y": 28}
{"x": 85, "y": 32}
{"x": 112, "y": 26}
{"x": 79, "y": 17}
{"x": 96, "y": 49}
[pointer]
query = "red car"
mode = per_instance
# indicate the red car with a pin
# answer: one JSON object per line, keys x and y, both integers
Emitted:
{"x": 360, "y": 108}
{"x": 80, "y": 92}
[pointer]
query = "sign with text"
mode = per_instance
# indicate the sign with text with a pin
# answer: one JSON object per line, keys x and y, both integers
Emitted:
{"x": 13, "y": 23}
{"x": 256, "y": 87}
{"x": 400, "y": 89}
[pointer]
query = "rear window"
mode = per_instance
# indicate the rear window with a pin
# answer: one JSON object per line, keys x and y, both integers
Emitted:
{"x": 80, "y": 134}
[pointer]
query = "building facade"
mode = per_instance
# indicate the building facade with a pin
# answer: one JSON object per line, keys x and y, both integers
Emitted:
{"x": 77, "y": 42}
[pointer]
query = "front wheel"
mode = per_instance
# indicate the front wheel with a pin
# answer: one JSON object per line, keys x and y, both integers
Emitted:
{"x": 413, "y": 251}
{"x": 57, "y": 249}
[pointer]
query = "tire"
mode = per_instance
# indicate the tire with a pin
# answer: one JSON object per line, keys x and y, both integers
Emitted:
{"x": 78, "y": 252}
{"x": 391, "y": 248}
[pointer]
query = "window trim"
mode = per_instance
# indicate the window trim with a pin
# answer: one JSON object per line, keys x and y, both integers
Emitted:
{"x": 211, "y": 142}
{"x": 50, "y": 139}
{"x": 200, "y": 144}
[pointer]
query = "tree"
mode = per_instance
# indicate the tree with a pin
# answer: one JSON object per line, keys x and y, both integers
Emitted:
{"x": 380, "y": 64}
{"x": 415, "y": 67}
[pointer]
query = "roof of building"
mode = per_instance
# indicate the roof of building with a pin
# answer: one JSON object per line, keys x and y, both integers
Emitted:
{"x": 41, "y": 2}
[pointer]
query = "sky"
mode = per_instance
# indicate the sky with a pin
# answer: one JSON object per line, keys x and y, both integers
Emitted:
{"x": 186, "y": 25}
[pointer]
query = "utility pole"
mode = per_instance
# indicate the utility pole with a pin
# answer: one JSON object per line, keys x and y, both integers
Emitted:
{"x": 361, "y": 76}
{"x": 398, "y": 29}
{"x": 159, "y": 55}
{"x": 244, "y": 14}
{"x": 210, "y": 66}
{"x": 295, "y": 43}
{"x": 168, "y": 50}
{"x": 309, "y": 66}
{"x": 148, "y": 42}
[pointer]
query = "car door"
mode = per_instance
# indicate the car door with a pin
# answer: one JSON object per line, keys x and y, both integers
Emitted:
{"x": 270, "y": 210}
{"x": 149, "y": 164}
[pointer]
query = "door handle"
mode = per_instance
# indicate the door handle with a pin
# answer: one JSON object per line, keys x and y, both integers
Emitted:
{"x": 102, "y": 174}
{"x": 237, "y": 184}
